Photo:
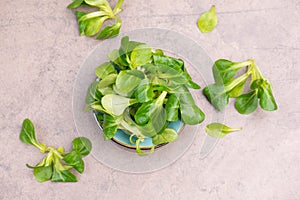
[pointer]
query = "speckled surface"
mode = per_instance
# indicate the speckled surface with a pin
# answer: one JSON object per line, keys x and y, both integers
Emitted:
{"x": 41, "y": 53}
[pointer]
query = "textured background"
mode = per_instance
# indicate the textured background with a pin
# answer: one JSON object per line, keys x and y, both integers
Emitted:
{"x": 41, "y": 53}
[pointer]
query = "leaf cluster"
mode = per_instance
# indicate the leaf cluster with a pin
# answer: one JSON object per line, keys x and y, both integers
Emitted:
{"x": 91, "y": 23}
{"x": 56, "y": 165}
{"x": 141, "y": 90}
{"x": 228, "y": 85}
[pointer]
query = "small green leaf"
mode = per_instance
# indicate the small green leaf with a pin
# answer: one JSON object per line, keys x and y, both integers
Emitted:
{"x": 74, "y": 159}
{"x": 110, "y": 126}
{"x": 144, "y": 92}
{"x": 104, "y": 70}
{"x": 247, "y": 103}
{"x": 237, "y": 90}
{"x": 168, "y": 61}
{"x": 216, "y": 94}
{"x": 107, "y": 83}
{"x": 93, "y": 94}
{"x": 82, "y": 145}
{"x": 147, "y": 110}
{"x": 218, "y": 130}
{"x": 63, "y": 176}
{"x": 116, "y": 104}
{"x": 128, "y": 80}
{"x": 102, "y": 4}
{"x": 91, "y": 23}
{"x": 256, "y": 84}
{"x": 75, "y": 4}
{"x": 168, "y": 135}
{"x": 225, "y": 70}
{"x": 151, "y": 116}
{"x": 140, "y": 55}
{"x": 190, "y": 113}
{"x": 158, "y": 52}
{"x": 267, "y": 100}
{"x": 43, "y": 173}
{"x": 208, "y": 20}
{"x": 172, "y": 108}
{"x": 128, "y": 46}
{"x": 27, "y": 134}
{"x": 94, "y": 25}
{"x": 115, "y": 57}
{"x": 110, "y": 31}
{"x": 82, "y": 25}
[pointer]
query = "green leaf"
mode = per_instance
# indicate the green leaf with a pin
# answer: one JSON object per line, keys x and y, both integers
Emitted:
{"x": 172, "y": 108}
{"x": 75, "y": 4}
{"x": 110, "y": 126}
{"x": 267, "y": 100}
{"x": 27, "y": 134}
{"x": 151, "y": 116}
{"x": 43, "y": 173}
{"x": 93, "y": 94}
{"x": 94, "y": 25}
{"x": 82, "y": 25}
{"x": 168, "y": 135}
{"x": 115, "y": 57}
{"x": 104, "y": 70}
{"x": 99, "y": 108}
{"x": 140, "y": 55}
{"x": 74, "y": 159}
{"x": 218, "y": 130}
{"x": 237, "y": 90}
{"x": 82, "y": 145}
{"x": 216, "y": 95}
{"x": 146, "y": 110}
{"x": 128, "y": 80}
{"x": 225, "y": 70}
{"x": 128, "y": 46}
{"x": 177, "y": 64}
{"x": 106, "y": 84}
{"x": 110, "y": 31}
{"x": 190, "y": 112}
{"x": 63, "y": 176}
{"x": 208, "y": 20}
{"x": 158, "y": 52}
{"x": 168, "y": 74}
{"x": 256, "y": 84}
{"x": 247, "y": 103}
{"x": 116, "y": 104}
{"x": 90, "y": 24}
{"x": 102, "y": 4}
{"x": 144, "y": 92}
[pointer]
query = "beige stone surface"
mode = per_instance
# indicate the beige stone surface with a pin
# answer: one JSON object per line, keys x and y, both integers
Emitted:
{"x": 41, "y": 53}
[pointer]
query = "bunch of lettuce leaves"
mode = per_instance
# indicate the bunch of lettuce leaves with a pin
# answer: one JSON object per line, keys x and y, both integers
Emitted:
{"x": 141, "y": 90}
{"x": 57, "y": 164}
{"x": 229, "y": 85}
{"x": 91, "y": 23}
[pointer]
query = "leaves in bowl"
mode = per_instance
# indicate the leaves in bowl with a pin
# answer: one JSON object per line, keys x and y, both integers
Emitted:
{"x": 141, "y": 91}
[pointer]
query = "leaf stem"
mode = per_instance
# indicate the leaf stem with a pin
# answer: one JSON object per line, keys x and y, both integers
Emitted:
{"x": 237, "y": 81}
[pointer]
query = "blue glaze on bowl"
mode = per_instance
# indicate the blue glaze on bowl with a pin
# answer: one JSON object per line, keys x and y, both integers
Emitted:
{"x": 122, "y": 138}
